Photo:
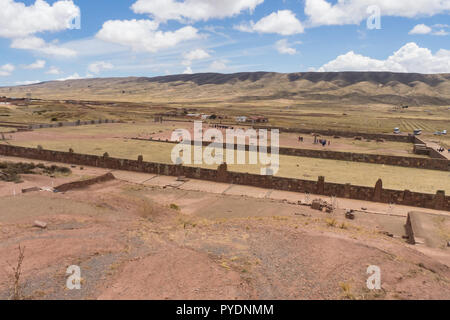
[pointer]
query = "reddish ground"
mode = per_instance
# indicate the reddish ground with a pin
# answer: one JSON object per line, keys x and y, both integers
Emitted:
{"x": 130, "y": 245}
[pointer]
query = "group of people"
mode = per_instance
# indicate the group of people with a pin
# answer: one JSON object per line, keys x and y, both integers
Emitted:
{"x": 323, "y": 142}
{"x": 218, "y": 126}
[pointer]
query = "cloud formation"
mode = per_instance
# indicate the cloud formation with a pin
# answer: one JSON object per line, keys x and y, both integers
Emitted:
{"x": 53, "y": 70}
{"x": 323, "y": 12}
{"x": 193, "y": 10}
{"x": 218, "y": 65}
{"x": 144, "y": 35}
{"x": 437, "y": 30}
{"x": 39, "y": 45}
{"x": 39, "y": 64}
{"x": 18, "y": 20}
{"x": 6, "y": 70}
{"x": 197, "y": 54}
{"x": 99, "y": 66}
{"x": 284, "y": 47}
{"x": 188, "y": 70}
{"x": 282, "y": 22}
{"x": 409, "y": 58}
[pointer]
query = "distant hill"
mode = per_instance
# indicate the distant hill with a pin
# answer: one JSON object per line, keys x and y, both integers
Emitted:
{"x": 327, "y": 87}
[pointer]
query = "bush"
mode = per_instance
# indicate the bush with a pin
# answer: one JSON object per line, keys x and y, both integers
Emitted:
{"x": 10, "y": 172}
{"x": 331, "y": 222}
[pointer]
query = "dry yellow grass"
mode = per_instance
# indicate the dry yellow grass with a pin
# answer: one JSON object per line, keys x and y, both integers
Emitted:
{"x": 363, "y": 174}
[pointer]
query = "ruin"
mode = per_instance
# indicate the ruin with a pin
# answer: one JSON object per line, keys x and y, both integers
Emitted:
{"x": 440, "y": 201}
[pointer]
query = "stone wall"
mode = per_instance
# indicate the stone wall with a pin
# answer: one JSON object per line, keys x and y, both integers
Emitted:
{"x": 346, "y": 134}
{"x": 434, "y": 154}
{"x": 84, "y": 183}
{"x": 410, "y": 162}
{"x": 439, "y": 201}
{"x": 69, "y": 124}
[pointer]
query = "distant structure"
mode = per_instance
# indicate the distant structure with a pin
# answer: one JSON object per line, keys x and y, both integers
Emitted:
{"x": 258, "y": 119}
{"x": 253, "y": 119}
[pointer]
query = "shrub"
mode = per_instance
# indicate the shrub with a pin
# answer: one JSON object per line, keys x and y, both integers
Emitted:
{"x": 331, "y": 222}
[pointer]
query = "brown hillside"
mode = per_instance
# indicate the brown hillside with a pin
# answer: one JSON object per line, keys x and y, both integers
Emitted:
{"x": 351, "y": 87}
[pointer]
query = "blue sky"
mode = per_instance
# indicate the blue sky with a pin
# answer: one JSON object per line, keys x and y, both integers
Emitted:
{"x": 41, "y": 40}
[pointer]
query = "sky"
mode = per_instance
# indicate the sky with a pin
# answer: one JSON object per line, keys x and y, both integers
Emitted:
{"x": 58, "y": 40}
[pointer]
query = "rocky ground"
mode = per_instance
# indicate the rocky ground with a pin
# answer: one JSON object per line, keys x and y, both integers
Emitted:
{"x": 156, "y": 242}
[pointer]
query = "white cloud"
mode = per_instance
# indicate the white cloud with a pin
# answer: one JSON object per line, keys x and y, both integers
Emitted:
{"x": 99, "y": 66}
{"x": 39, "y": 45}
{"x": 421, "y": 29}
{"x": 18, "y": 20}
{"x": 197, "y": 54}
{"x": 6, "y": 70}
{"x": 74, "y": 76}
{"x": 441, "y": 32}
{"x": 143, "y": 35}
{"x": 39, "y": 64}
{"x": 437, "y": 29}
{"x": 26, "y": 82}
{"x": 322, "y": 12}
{"x": 218, "y": 65}
{"x": 283, "y": 22}
{"x": 188, "y": 71}
{"x": 194, "y": 10}
{"x": 53, "y": 70}
{"x": 409, "y": 58}
{"x": 284, "y": 47}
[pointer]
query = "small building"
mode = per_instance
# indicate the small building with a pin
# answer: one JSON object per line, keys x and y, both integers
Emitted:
{"x": 258, "y": 119}
{"x": 193, "y": 115}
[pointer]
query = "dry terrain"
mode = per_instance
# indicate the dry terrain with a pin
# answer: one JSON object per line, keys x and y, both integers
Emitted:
{"x": 157, "y": 240}
{"x": 348, "y": 101}
{"x": 115, "y": 139}
{"x": 144, "y": 236}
